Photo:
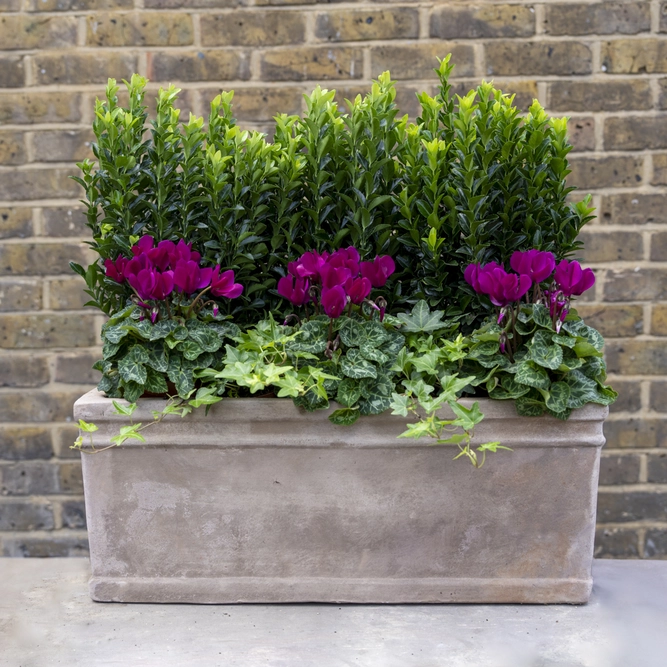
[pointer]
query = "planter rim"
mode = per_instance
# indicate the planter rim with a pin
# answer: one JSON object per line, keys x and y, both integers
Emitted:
{"x": 268, "y": 422}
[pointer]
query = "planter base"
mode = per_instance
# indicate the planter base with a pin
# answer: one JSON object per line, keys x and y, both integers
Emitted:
{"x": 362, "y": 591}
{"x": 260, "y": 502}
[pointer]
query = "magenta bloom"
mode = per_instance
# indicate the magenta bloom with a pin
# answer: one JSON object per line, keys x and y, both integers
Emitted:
{"x": 332, "y": 275}
{"x": 538, "y": 266}
{"x": 115, "y": 270}
{"x": 358, "y": 289}
{"x": 379, "y": 270}
{"x": 151, "y": 284}
{"x": 222, "y": 284}
{"x": 161, "y": 255}
{"x": 472, "y": 272}
{"x": 572, "y": 279}
{"x": 334, "y": 301}
{"x": 294, "y": 289}
{"x": 503, "y": 288}
{"x": 183, "y": 252}
{"x": 143, "y": 245}
{"x": 189, "y": 277}
{"x": 347, "y": 258}
{"x": 309, "y": 265}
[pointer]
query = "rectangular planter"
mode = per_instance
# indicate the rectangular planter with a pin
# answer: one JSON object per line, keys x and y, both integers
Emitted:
{"x": 261, "y": 502}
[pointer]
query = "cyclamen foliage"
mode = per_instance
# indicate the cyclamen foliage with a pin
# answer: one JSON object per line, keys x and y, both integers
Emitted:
{"x": 471, "y": 181}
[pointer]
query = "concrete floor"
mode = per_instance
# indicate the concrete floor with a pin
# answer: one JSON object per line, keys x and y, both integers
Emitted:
{"x": 47, "y": 618}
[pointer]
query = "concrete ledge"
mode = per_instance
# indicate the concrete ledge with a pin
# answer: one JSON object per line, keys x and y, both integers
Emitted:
{"x": 47, "y": 618}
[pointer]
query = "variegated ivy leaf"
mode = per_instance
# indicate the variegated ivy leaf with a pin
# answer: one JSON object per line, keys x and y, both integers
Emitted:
{"x": 541, "y": 316}
{"x": 157, "y": 357}
{"x": 421, "y": 319}
{"x": 594, "y": 367}
{"x": 190, "y": 349}
{"x": 311, "y": 401}
{"x": 109, "y": 385}
{"x": 559, "y": 395}
{"x": 207, "y": 339}
{"x": 114, "y": 334}
{"x": 372, "y": 353}
{"x": 393, "y": 344}
{"x": 582, "y": 389}
{"x": 570, "y": 362}
{"x": 344, "y": 416}
{"x": 400, "y": 404}
{"x": 155, "y": 382}
{"x": 131, "y": 371}
{"x": 565, "y": 341}
{"x": 377, "y": 397}
{"x": 132, "y": 391}
{"x": 563, "y": 416}
{"x": 486, "y": 349}
{"x": 355, "y": 366}
{"x": 529, "y": 407}
{"x": 533, "y": 375}
{"x": 162, "y": 329}
{"x": 514, "y": 388}
{"x": 110, "y": 349}
{"x": 544, "y": 354}
{"x": 349, "y": 392}
{"x": 138, "y": 354}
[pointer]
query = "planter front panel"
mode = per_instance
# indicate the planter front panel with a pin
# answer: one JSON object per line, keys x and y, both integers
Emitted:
{"x": 292, "y": 508}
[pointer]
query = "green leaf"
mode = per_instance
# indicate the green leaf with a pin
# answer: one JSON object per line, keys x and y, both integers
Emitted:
{"x": 190, "y": 349}
{"x": 86, "y": 427}
{"x": 583, "y": 349}
{"x": 529, "y": 407}
{"x": 114, "y": 334}
{"x": 132, "y": 391}
{"x": 541, "y": 316}
{"x": 377, "y": 395}
{"x": 162, "y": 329}
{"x": 157, "y": 357}
{"x": 155, "y": 382}
{"x": 492, "y": 447}
{"x": 422, "y": 319}
{"x": 349, "y": 392}
{"x": 204, "y": 396}
{"x": 344, "y": 416}
{"x": 565, "y": 341}
{"x": 529, "y": 373}
{"x": 128, "y": 433}
{"x": 582, "y": 389}
{"x": 355, "y": 366}
{"x": 131, "y": 371}
{"x": 467, "y": 418}
{"x": 400, "y": 404}
{"x": 371, "y": 352}
{"x": 206, "y": 338}
{"x": 549, "y": 356}
{"x": 559, "y": 395}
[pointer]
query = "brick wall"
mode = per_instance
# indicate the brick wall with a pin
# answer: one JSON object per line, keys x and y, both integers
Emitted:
{"x": 602, "y": 63}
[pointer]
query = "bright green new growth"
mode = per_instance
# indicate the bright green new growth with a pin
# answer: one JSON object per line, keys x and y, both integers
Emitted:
{"x": 471, "y": 181}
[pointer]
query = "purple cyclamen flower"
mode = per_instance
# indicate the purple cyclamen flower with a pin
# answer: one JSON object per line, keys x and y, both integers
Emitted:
{"x": 222, "y": 284}
{"x": 333, "y": 276}
{"x": 116, "y": 270}
{"x": 572, "y": 279}
{"x": 294, "y": 290}
{"x": 538, "y": 266}
{"x": 503, "y": 288}
{"x": 379, "y": 270}
{"x": 143, "y": 245}
{"x": 334, "y": 301}
{"x": 472, "y": 271}
{"x": 189, "y": 277}
{"x": 308, "y": 265}
{"x": 358, "y": 289}
{"x": 151, "y": 284}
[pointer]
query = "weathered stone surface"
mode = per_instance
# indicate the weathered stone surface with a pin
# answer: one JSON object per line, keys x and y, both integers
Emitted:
{"x": 23, "y": 371}
{"x": 508, "y": 58}
{"x": 599, "y": 95}
{"x": 619, "y": 469}
{"x": 581, "y": 132}
{"x": 39, "y": 107}
{"x": 658, "y": 396}
{"x": 636, "y": 357}
{"x": 656, "y": 543}
{"x": 73, "y": 514}
{"x": 20, "y": 294}
{"x": 659, "y": 246}
{"x": 67, "y": 294}
{"x": 659, "y": 320}
{"x": 76, "y": 368}
{"x": 206, "y": 65}
{"x": 15, "y": 222}
{"x": 616, "y": 543}
{"x": 606, "y": 172}
{"x": 474, "y": 22}
{"x": 629, "y": 396}
{"x": 145, "y": 29}
{"x": 367, "y": 24}
{"x": 635, "y": 433}
{"x": 633, "y": 209}
{"x": 613, "y": 321}
{"x": 57, "y": 546}
{"x": 634, "y": 56}
{"x": 12, "y": 148}
{"x": 80, "y": 68}
{"x": 63, "y": 145}
{"x": 40, "y": 258}
{"x": 39, "y": 184}
{"x": 632, "y": 285}
{"x": 602, "y": 246}
{"x": 25, "y": 442}
{"x": 49, "y": 330}
{"x": 631, "y": 506}
{"x": 39, "y": 406}
{"x": 65, "y": 221}
{"x": 417, "y": 61}
{"x": 63, "y": 439}
{"x": 28, "y": 478}
{"x": 635, "y": 133}
{"x": 12, "y": 72}
{"x": 284, "y": 474}
{"x": 69, "y": 477}
{"x": 77, "y": 5}
{"x": 600, "y": 18}
{"x": 312, "y": 62}
{"x": 25, "y": 515}
{"x": 657, "y": 468}
{"x": 37, "y": 32}
{"x": 270, "y": 28}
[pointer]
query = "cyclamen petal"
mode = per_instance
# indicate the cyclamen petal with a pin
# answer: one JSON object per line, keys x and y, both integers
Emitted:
{"x": 143, "y": 245}
{"x": 572, "y": 279}
{"x": 222, "y": 284}
{"x": 536, "y": 264}
{"x": 294, "y": 290}
{"x": 334, "y": 301}
{"x": 358, "y": 289}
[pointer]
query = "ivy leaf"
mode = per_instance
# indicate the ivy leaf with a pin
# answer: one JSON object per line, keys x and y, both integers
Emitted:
{"x": 86, "y": 427}
{"x": 377, "y": 397}
{"x": 549, "y": 356}
{"x": 114, "y": 334}
{"x": 349, "y": 392}
{"x": 207, "y": 339}
{"x": 344, "y": 416}
{"x": 157, "y": 357}
{"x": 355, "y": 366}
{"x": 132, "y": 391}
{"x": 399, "y": 404}
{"x": 529, "y": 407}
{"x": 131, "y": 371}
{"x": 190, "y": 349}
{"x": 531, "y": 374}
{"x": 371, "y": 352}
{"x": 162, "y": 329}
{"x": 128, "y": 433}
{"x": 559, "y": 394}
{"x": 204, "y": 396}
{"x": 289, "y": 384}
{"x": 155, "y": 382}
{"x": 582, "y": 389}
{"x": 422, "y": 319}
{"x": 541, "y": 316}
{"x": 467, "y": 418}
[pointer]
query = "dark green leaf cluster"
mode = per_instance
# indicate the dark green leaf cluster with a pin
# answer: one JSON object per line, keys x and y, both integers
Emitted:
{"x": 472, "y": 180}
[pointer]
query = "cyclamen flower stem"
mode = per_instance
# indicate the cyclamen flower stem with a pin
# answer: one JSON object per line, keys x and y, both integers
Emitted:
{"x": 194, "y": 303}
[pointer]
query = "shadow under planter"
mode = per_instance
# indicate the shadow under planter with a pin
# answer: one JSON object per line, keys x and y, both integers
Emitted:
{"x": 261, "y": 502}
